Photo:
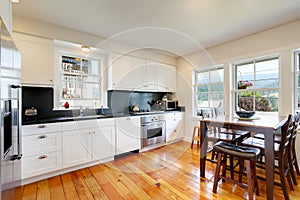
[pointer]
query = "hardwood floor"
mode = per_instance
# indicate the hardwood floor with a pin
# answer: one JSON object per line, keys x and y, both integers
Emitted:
{"x": 170, "y": 172}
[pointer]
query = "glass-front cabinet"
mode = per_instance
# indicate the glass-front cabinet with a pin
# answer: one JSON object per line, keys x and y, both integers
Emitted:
{"x": 80, "y": 81}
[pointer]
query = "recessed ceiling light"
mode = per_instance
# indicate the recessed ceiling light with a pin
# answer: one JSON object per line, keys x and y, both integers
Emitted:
{"x": 85, "y": 48}
{"x": 15, "y": 1}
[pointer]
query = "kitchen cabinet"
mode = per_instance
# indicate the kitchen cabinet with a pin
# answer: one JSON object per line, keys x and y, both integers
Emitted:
{"x": 37, "y": 59}
{"x": 120, "y": 72}
{"x": 41, "y": 147}
{"x": 87, "y": 140}
{"x": 166, "y": 75}
{"x": 128, "y": 134}
{"x": 174, "y": 125}
{"x": 6, "y": 13}
{"x": 132, "y": 73}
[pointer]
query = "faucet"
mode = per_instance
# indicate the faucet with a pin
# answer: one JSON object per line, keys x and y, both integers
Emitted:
{"x": 81, "y": 111}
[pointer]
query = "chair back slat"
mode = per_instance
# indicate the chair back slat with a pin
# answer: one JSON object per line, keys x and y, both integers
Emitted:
{"x": 287, "y": 131}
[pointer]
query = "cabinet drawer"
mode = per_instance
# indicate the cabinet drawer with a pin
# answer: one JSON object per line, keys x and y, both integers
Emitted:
{"x": 41, "y": 164}
{"x": 41, "y": 128}
{"x": 84, "y": 124}
{"x": 41, "y": 143}
{"x": 106, "y": 122}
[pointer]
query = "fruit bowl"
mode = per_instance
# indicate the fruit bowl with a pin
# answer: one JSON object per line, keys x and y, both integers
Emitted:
{"x": 245, "y": 114}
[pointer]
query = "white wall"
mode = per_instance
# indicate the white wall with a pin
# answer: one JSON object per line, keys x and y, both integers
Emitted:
{"x": 280, "y": 40}
{"x": 52, "y": 31}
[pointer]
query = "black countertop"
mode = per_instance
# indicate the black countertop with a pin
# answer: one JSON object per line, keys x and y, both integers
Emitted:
{"x": 41, "y": 120}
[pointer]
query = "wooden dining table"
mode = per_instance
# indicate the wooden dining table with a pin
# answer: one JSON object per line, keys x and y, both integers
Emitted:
{"x": 268, "y": 125}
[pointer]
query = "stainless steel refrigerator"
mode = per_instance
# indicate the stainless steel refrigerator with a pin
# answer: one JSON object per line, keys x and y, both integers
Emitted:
{"x": 10, "y": 122}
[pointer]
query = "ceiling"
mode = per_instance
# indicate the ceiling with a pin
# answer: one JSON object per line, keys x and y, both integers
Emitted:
{"x": 179, "y": 26}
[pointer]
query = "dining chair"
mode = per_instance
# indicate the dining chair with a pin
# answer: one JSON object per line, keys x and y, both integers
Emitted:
{"x": 293, "y": 162}
{"x": 245, "y": 154}
{"x": 281, "y": 151}
{"x": 219, "y": 134}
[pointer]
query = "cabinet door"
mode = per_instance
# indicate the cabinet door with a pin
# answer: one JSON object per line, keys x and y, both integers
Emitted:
{"x": 37, "y": 59}
{"x": 76, "y": 147}
{"x": 179, "y": 125}
{"x": 103, "y": 142}
{"x": 150, "y": 83}
{"x": 121, "y": 72}
{"x": 139, "y": 70}
{"x": 166, "y": 75}
{"x": 128, "y": 134}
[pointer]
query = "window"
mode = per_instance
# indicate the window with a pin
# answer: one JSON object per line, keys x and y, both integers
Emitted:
{"x": 209, "y": 88}
{"x": 297, "y": 78}
{"x": 256, "y": 84}
{"x": 80, "y": 80}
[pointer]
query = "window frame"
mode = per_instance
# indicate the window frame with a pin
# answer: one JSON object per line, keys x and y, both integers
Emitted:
{"x": 254, "y": 61}
{"x": 296, "y": 67}
{"x": 209, "y": 92}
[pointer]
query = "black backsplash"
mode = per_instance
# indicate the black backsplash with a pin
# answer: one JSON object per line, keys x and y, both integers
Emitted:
{"x": 123, "y": 101}
{"x": 40, "y": 98}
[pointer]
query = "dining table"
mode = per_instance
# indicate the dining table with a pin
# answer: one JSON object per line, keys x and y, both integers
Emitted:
{"x": 268, "y": 125}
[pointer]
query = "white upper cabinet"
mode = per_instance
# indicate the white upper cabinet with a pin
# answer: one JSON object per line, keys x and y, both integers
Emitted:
{"x": 120, "y": 72}
{"x": 166, "y": 75}
{"x": 132, "y": 73}
{"x": 37, "y": 59}
{"x": 6, "y": 13}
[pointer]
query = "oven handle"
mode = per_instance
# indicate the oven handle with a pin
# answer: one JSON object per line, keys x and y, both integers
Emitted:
{"x": 151, "y": 123}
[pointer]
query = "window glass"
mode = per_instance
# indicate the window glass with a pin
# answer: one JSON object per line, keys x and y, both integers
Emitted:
{"x": 209, "y": 88}
{"x": 257, "y": 85}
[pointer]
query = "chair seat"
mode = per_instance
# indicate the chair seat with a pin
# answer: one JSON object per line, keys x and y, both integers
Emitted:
{"x": 258, "y": 143}
{"x": 248, "y": 153}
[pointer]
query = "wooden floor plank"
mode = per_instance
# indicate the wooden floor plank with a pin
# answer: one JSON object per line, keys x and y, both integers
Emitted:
{"x": 43, "y": 191}
{"x": 166, "y": 173}
{"x": 56, "y": 188}
{"x": 80, "y": 185}
{"x": 93, "y": 185}
{"x": 69, "y": 187}
{"x": 30, "y": 191}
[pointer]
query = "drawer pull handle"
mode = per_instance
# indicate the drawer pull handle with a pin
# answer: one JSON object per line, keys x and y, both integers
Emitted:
{"x": 43, "y": 157}
{"x": 42, "y": 136}
{"x": 42, "y": 126}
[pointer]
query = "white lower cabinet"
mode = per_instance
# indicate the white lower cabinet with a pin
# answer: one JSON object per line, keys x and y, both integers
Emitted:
{"x": 94, "y": 141}
{"x": 76, "y": 147}
{"x": 41, "y": 146}
{"x": 103, "y": 143}
{"x": 41, "y": 164}
{"x": 174, "y": 125}
{"x": 128, "y": 134}
{"x": 58, "y": 146}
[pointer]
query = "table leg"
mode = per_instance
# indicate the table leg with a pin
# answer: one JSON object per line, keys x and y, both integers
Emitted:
{"x": 203, "y": 148}
{"x": 269, "y": 156}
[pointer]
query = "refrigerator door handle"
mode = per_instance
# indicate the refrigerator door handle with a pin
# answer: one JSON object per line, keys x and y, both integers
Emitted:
{"x": 19, "y": 154}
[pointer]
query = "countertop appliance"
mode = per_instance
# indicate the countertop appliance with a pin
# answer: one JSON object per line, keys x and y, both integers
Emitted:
{"x": 153, "y": 130}
{"x": 10, "y": 131}
{"x": 169, "y": 104}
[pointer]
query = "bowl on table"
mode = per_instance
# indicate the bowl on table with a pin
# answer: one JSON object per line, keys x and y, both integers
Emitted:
{"x": 245, "y": 114}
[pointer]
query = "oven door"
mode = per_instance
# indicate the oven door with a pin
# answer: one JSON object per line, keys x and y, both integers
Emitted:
{"x": 153, "y": 133}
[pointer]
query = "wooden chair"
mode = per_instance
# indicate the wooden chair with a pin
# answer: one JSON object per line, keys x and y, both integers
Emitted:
{"x": 281, "y": 153}
{"x": 196, "y": 136}
{"x": 292, "y": 153}
{"x": 247, "y": 154}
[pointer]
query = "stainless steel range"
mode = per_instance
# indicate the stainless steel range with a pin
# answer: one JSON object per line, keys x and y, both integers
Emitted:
{"x": 153, "y": 130}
